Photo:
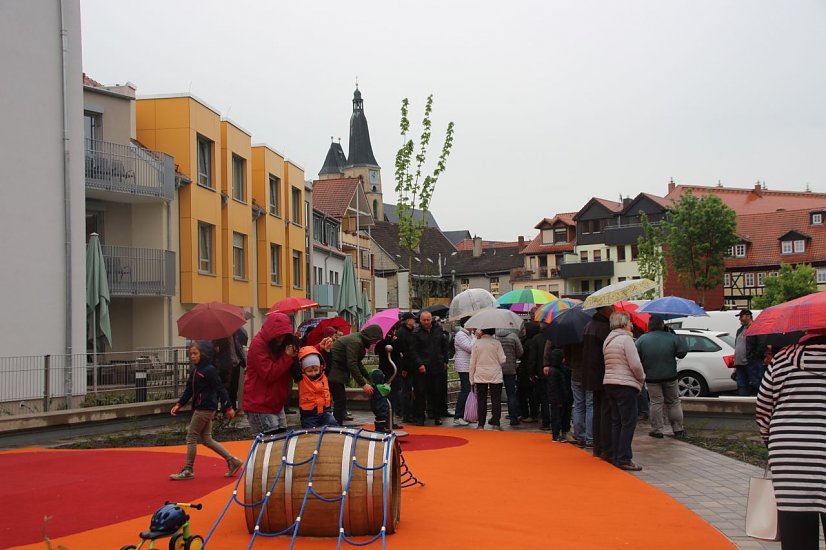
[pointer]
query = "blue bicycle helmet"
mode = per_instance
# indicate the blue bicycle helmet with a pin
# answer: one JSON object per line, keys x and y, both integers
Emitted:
{"x": 168, "y": 518}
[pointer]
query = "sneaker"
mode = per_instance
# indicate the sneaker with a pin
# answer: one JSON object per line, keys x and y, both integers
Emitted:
{"x": 589, "y": 444}
{"x": 631, "y": 467}
{"x": 514, "y": 422}
{"x": 527, "y": 419}
{"x": 233, "y": 465}
{"x": 480, "y": 427}
{"x": 348, "y": 416}
{"x": 437, "y": 421}
{"x": 397, "y": 426}
{"x": 460, "y": 422}
{"x": 679, "y": 434}
{"x": 569, "y": 437}
{"x": 496, "y": 427}
{"x": 558, "y": 439}
{"x": 185, "y": 473}
{"x": 658, "y": 435}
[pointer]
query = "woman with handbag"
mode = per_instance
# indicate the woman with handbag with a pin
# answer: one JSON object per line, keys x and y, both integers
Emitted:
{"x": 791, "y": 413}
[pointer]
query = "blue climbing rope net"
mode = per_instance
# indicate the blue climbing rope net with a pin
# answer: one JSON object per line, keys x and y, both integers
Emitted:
{"x": 284, "y": 474}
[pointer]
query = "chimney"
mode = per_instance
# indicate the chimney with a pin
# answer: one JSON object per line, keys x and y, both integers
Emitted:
{"x": 626, "y": 201}
{"x": 758, "y": 189}
{"x": 477, "y": 247}
{"x": 522, "y": 244}
{"x": 671, "y": 185}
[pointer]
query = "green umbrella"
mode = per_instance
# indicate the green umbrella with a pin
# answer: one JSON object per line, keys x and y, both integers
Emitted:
{"x": 348, "y": 305}
{"x": 366, "y": 312}
{"x": 98, "y": 326}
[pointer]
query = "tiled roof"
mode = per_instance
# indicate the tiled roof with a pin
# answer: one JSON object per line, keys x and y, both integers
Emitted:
{"x": 326, "y": 248}
{"x": 610, "y": 205}
{"x": 467, "y": 244}
{"x": 566, "y": 217}
{"x": 391, "y": 216}
{"x": 492, "y": 260}
{"x": 91, "y": 82}
{"x": 536, "y": 247}
{"x": 763, "y": 232}
{"x": 456, "y": 236}
{"x": 662, "y": 201}
{"x": 754, "y": 200}
{"x": 433, "y": 243}
{"x": 333, "y": 196}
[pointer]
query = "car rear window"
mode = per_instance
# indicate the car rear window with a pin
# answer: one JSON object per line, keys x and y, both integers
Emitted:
{"x": 727, "y": 338}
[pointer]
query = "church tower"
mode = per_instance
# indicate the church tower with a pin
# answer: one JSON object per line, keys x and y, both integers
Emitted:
{"x": 361, "y": 163}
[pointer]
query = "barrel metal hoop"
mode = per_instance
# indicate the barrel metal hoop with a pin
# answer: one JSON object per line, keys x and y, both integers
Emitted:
{"x": 288, "y": 480}
{"x": 249, "y": 474}
{"x": 346, "y": 466}
{"x": 265, "y": 483}
{"x": 371, "y": 449}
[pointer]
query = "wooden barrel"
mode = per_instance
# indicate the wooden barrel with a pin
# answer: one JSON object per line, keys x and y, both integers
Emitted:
{"x": 364, "y": 505}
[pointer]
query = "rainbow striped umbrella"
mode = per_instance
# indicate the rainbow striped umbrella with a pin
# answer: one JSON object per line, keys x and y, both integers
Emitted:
{"x": 526, "y": 296}
{"x": 547, "y": 312}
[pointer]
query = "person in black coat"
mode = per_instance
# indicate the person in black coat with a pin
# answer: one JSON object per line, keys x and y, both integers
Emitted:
{"x": 430, "y": 362}
{"x": 403, "y": 346}
{"x": 536, "y": 364}
{"x": 593, "y": 373}
{"x": 560, "y": 397}
{"x": 528, "y": 403}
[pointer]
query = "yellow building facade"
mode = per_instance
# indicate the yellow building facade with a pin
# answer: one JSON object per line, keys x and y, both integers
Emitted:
{"x": 230, "y": 224}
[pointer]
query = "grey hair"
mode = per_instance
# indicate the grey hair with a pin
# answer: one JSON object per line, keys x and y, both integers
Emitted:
{"x": 619, "y": 319}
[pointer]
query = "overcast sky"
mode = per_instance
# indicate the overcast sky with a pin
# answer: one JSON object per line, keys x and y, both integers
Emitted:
{"x": 554, "y": 101}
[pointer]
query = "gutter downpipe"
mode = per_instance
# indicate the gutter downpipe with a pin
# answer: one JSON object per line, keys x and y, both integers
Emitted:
{"x": 169, "y": 335}
{"x": 67, "y": 203}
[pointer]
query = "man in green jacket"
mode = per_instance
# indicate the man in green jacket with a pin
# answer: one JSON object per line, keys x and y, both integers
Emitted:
{"x": 659, "y": 350}
{"x": 346, "y": 355}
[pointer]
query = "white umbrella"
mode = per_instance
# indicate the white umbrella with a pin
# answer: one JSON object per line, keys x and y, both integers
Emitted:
{"x": 468, "y": 302}
{"x": 612, "y": 294}
{"x": 494, "y": 318}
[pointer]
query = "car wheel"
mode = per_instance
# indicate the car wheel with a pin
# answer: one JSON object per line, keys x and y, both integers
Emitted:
{"x": 691, "y": 384}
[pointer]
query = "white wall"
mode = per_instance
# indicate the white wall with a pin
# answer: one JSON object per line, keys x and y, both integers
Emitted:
{"x": 33, "y": 280}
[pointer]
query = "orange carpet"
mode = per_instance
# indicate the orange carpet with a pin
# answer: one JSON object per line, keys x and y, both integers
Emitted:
{"x": 500, "y": 490}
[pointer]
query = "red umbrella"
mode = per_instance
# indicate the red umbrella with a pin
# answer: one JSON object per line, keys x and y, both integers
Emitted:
{"x": 314, "y": 336}
{"x": 640, "y": 320}
{"x": 291, "y": 305}
{"x": 211, "y": 321}
{"x": 806, "y": 313}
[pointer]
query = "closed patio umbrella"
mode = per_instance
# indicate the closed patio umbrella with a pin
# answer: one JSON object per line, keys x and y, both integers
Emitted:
{"x": 98, "y": 325}
{"x": 348, "y": 297}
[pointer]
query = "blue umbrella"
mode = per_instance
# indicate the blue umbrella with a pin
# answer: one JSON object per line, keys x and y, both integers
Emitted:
{"x": 670, "y": 307}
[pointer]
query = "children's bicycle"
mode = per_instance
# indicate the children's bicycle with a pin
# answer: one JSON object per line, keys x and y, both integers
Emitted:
{"x": 170, "y": 521}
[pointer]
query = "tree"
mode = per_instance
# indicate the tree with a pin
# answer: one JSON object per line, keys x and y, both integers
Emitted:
{"x": 650, "y": 257}
{"x": 413, "y": 186}
{"x": 790, "y": 283}
{"x": 698, "y": 232}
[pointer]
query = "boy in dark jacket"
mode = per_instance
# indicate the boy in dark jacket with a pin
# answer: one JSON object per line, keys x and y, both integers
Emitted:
{"x": 379, "y": 403}
{"x": 560, "y": 397}
{"x": 204, "y": 387}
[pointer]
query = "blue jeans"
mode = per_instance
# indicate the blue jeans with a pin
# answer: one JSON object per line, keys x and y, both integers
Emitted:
{"x": 313, "y": 419}
{"x": 748, "y": 377}
{"x": 513, "y": 396}
{"x": 623, "y": 403}
{"x": 583, "y": 413}
{"x": 267, "y": 422}
{"x": 464, "y": 390}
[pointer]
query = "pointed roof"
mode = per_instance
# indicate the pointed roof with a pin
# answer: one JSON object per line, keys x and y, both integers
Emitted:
{"x": 433, "y": 247}
{"x": 755, "y": 200}
{"x": 610, "y": 206}
{"x": 392, "y": 216}
{"x": 335, "y": 161}
{"x": 764, "y": 230}
{"x": 361, "y": 151}
{"x": 342, "y": 197}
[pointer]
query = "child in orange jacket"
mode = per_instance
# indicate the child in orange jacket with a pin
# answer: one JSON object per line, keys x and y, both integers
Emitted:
{"x": 314, "y": 402}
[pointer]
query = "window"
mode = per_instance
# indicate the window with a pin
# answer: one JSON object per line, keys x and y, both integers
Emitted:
{"x": 786, "y": 247}
{"x": 238, "y": 166}
{"x": 92, "y": 125}
{"x": 760, "y": 277}
{"x": 799, "y": 246}
{"x": 239, "y": 255}
{"x": 318, "y": 273}
{"x": 296, "y": 269}
{"x": 206, "y": 234}
{"x": 365, "y": 259}
{"x": 740, "y": 251}
{"x": 727, "y": 280}
{"x": 621, "y": 279}
{"x": 585, "y": 286}
{"x": 275, "y": 264}
{"x": 375, "y": 209}
{"x": 464, "y": 284}
{"x": 621, "y": 253}
{"x": 634, "y": 252}
{"x": 205, "y": 162}
{"x": 596, "y": 226}
{"x": 607, "y": 254}
{"x": 597, "y": 255}
{"x": 749, "y": 279}
{"x": 583, "y": 256}
{"x": 817, "y": 219}
{"x": 494, "y": 285}
{"x": 275, "y": 193}
{"x": 560, "y": 236}
{"x": 821, "y": 276}
{"x": 296, "y": 206}
{"x": 318, "y": 230}
{"x": 699, "y": 343}
{"x": 597, "y": 285}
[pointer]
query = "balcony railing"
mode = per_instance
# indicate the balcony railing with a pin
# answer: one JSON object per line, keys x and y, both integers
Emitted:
{"x": 139, "y": 271}
{"x": 326, "y": 295}
{"x": 586, "y": 269}
{"x": 129, "y": 169}
{"x": 521, "y": 274}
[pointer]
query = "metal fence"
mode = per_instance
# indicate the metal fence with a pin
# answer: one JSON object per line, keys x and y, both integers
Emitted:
{"x": 129, "y": 169}
{"x": 30, "y": 384}
{"x": 139, "y": 271}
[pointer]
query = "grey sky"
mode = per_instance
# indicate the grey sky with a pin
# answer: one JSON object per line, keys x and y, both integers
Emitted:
{"x": 554, "y": 101}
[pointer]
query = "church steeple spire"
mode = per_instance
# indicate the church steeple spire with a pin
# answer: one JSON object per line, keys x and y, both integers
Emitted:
{"x": 361, "y": 150}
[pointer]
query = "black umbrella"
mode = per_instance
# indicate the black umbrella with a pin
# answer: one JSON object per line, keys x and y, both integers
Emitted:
{"x": 438, "y": 310}
{"x": 569, "y": 326}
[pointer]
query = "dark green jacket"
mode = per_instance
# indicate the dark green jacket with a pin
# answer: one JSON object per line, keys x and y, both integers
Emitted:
{"x": 659, "y": 351}
{"x": 347, "y": 354}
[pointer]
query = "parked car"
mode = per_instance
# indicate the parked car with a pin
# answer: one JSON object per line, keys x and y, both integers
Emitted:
{"x": 703, "y": 371}
{"x": 722, "y": 321}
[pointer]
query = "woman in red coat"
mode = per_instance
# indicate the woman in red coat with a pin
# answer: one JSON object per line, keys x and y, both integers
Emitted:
{"x": 268, "y": 380}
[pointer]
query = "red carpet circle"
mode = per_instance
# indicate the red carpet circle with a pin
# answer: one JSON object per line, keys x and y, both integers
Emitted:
{"x": 414, "y": 442}
{"x": 108, "y": 486}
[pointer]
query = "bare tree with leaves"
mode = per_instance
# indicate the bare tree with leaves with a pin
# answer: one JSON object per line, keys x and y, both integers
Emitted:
{"x": 650, "y": 256}
{"x": 414, "y": 186}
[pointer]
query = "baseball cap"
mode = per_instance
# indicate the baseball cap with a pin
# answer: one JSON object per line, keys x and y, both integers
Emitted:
{"x": 744, "y": 312}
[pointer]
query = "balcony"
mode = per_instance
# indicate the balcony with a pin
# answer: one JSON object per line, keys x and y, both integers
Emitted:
{"x": 586, "y": 269}
{"x": 326, "y": 295}
{"x": 128, "y": 171}
{"x": 521, "y": 274}
{"x": 139, "y": 271}
{"x": 543, "y": 272}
